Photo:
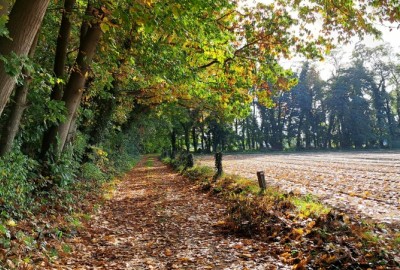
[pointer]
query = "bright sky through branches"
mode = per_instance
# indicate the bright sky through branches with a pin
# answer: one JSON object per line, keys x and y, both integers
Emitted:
{"x": 390, "y": 34}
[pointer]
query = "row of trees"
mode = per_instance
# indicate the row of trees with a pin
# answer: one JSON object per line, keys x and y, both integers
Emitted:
{"x": 76, "y": 76}
{"x": 357, "y": 107}
{"x": 92, "y": 66}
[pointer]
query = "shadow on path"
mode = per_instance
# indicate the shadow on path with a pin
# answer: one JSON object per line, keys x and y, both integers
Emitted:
{"x": 158, "y": 220}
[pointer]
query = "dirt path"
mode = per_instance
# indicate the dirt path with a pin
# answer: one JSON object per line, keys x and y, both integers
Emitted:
{"x": 158, "y": 220}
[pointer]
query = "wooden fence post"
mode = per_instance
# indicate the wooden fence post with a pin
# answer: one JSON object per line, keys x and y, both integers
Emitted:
{"x": 189, "y": 161}
{"x": 261, "y": 180}
{"x": 218, "y": 165}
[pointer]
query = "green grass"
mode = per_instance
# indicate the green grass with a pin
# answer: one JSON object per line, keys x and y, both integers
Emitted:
{"x": 370, "y": 237}
{"x": 308, "y": 206}
{"x": 149, "y": 163}
{"x": 397, "y": 240}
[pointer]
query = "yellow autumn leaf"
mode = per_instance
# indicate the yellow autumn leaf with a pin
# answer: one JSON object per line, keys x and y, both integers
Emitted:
{"x": 298, "y": 231}
{"x": 104, "y": 27}
{"x": 11, "y": 223}
{"x": 311, "y": 224}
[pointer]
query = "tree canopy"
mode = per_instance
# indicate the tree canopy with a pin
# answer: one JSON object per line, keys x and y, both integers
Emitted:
{"x": 78, "y": 78}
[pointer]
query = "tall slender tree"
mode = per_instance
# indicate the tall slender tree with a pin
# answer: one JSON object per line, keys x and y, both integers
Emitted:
{"x": 24, "y": 22}
{"x": 11, "y": 128}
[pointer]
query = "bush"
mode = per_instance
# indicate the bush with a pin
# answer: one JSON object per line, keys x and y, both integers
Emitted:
{"x": 63, "y": 171}
{"x": 15, "y": 188}
{"x": 199, "y": 172}
{"x": 183, "y": 161}
{"x": 90, "y": 171}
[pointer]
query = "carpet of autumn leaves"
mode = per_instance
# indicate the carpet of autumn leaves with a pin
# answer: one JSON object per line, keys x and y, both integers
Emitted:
{"x": 155, "y": 218}
{"x": 306, "y": 233}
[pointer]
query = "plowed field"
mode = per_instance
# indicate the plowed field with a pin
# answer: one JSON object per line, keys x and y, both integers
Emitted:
{"x": 365, "y": 183}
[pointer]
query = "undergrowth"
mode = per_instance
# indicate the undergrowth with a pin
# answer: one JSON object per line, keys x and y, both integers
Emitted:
{"x": 37, "y": 211}
{"x": 310, "y": 234}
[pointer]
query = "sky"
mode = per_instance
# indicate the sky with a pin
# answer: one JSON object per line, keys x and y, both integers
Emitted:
{"x": 391, "y": 37}
{"x": 326, "y": 68}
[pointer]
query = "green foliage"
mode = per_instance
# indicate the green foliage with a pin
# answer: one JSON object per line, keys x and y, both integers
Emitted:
{"x": 13, "y": 64}
{"x": 90, "y": 171}
{"x": 63, "y": 170}
{"x": 16, "y": 172}
{"x": 123, "y": 153}
{"x": 309, "y": 206}
{"x": 182, "y": 162}
{"x": 151, "y": 132}
{"x": 3, "y": 28}
{"x": 149, "y": 163}
{"x": 198, "y": 172}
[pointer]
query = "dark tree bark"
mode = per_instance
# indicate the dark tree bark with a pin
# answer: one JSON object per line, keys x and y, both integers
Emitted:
{"x": 173, "y": 143}
{"x": 74, "y": 89}
{"x": 186, "y": 129}
{"x": 203, "y": 136}
{"x": 398, "y": 104}
{"x": 76, "y": 83}
{"x": 194, "y": 138}
{"x": 59, "y": 68}
{"x": 12, "y": 125}
{"x": 62, "y": 47}
{"x": 298, "y": 136}
{"x": 26, "y": 17}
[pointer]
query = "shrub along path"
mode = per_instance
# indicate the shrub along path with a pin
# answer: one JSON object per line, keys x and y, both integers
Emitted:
{"x": 157, "y": 219}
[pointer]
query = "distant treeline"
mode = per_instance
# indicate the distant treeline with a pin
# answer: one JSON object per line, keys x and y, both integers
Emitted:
{"x": 358, "y": 107}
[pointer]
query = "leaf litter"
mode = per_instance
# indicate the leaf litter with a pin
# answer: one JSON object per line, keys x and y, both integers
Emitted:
{"x": 158, "y": 219}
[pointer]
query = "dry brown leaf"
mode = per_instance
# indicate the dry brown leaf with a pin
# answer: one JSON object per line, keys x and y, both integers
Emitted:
{"x": 168, "y": 252}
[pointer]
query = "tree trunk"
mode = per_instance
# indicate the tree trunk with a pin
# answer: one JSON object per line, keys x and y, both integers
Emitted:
{"x": 194, "y": 138}
{"x": 398, "y": 103}
{"x": 327, "y": 139}
{"x": 243, "y": 137}
{"x": 215, "y": 140}
{"x": 59, "y": 68}
{"x": 62, "y": 47}
{"x": 74, "y": 89}
{"x": 76, "y": 83}
{"x": 202, "y": 137}
{"x": 25, "y": 19}
{"x": 72, "y": 129}
{"x": 208, "y": 142}
{"x": 173, "y": 143}
{"x": 298, "y": 137}
{"x": 186, "y": 128}
{"x": 13, "y": 122}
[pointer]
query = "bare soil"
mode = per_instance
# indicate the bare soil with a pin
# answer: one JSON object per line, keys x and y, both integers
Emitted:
{"x": 364, "y": 183}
